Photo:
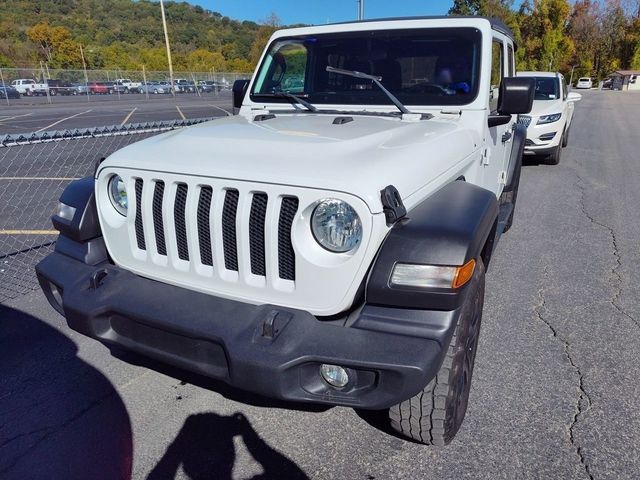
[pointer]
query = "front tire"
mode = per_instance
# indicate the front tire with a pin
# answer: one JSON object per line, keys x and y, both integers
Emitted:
{"x": 434, "y": 416}
{"x": 554, "y": 158}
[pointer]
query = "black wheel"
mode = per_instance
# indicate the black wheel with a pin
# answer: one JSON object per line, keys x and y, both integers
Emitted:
{"x": 434, "y": 415}
{"x": 554, "y": 158}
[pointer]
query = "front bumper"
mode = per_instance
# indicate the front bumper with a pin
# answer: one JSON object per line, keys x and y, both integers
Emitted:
{"x": 390, "y": 353}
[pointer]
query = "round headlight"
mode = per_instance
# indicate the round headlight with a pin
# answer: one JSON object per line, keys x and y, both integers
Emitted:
{"x": 336, "y": 226}
{"x": 118, "y": 194}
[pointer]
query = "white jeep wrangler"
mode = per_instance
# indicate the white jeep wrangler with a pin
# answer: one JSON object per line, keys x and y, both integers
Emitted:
{"x": 329, "y": 243}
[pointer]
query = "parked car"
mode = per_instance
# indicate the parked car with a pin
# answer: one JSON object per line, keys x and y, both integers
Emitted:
{"x": 60, "y": 87}
{"x": 549, "y": 122}
{"x": 205, "y": 87}
{"x": 125, "y": 85}
{"x": 584, "y": 82}
{"x": 7, "y": 91}
{"x": 155, "y": 88}
{"x": 267, "y": 266}
{"x": 98, "y": 88}
{"x": 607, "y": 84}
{"x": 29, "y": 87}
{"x": 182, "y": 85}
{"x": 80, "y": 88}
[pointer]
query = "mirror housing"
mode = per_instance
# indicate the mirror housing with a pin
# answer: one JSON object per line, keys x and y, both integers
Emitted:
{"x": 516, "y": 95}
{"x": 239, "y": 91}
{"x": 574, "y": 97}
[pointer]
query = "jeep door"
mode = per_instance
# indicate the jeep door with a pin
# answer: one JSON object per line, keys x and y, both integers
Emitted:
{"x": 498, "y": 138}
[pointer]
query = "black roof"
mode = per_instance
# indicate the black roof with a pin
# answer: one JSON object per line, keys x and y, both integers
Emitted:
{"x": 496, "y": 24}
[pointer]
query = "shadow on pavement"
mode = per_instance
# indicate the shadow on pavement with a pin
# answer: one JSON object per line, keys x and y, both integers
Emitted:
{"x": 204, "y": 449}
{"x": 60, "y": 418}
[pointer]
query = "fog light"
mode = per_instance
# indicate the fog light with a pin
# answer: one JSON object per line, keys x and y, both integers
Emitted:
{"x": 334, "y": 375}
{"x": 66, "y": 211}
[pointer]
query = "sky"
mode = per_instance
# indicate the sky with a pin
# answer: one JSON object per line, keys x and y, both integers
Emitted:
{"x": 322, "y": 11}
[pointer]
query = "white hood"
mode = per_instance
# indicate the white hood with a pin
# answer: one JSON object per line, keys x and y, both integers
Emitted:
{"x": 546, "y": 107}
{"x": 360, "y": 157}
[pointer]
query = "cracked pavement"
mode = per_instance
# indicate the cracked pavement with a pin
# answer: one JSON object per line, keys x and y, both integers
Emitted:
{"x": 556, "y": 389}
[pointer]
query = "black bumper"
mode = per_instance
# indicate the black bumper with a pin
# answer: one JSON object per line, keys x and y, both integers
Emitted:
{"x": 390, "y": 353}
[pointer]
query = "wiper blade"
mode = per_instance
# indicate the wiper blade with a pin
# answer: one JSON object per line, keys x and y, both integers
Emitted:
{"x": 296, "y": 98}
{"x": 377, "y": 80}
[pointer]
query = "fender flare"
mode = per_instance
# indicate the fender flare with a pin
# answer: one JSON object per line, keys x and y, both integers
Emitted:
{"x": 449, "y": 228}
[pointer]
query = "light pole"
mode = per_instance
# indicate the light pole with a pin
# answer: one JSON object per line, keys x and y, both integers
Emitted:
{"x": 360, "y": 9}
{"x": 571, "y": 79}
{"x": 166, "y": 40}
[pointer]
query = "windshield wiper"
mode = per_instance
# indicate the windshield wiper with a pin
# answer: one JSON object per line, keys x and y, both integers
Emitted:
{"x": 291, "y": 96}
{"x": 376, "y": 80}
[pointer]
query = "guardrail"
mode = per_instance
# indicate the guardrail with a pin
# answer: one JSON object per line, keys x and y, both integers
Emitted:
{"x": 34, "y": 169}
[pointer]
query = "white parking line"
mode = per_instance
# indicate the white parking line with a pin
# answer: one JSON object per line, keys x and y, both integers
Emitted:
{"x": 229, "y": 114}
{"x": 126, "y": 119}
{"x": 180, "y": 112}
{"x": 62, "y": 120}
{"x": 15, "y": 116}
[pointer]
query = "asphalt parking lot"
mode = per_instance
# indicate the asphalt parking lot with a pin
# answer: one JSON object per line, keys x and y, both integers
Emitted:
{"x": 33, "y": 114}
{"x": 556, "y": 389}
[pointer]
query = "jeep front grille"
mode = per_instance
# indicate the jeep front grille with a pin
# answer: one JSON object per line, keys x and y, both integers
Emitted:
{"x": 524, "y": 120}
{"x": 192, "y": 208}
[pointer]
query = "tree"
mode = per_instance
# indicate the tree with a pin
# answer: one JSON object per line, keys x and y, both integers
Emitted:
{"x": 546, "y": 45}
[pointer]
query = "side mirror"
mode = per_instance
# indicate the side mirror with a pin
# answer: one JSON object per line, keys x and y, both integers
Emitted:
{"x": 574, "y": 97}
{"x": 239, "y": 90}
{"x": 516, "y": 95}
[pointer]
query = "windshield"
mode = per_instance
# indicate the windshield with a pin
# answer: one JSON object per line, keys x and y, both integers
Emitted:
{"x": 435, "y": 66}
{"x": 547, "y": 88}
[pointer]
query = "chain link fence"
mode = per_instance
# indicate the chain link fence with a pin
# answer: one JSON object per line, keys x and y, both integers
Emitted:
{"x": 56, "y": 83}
{"x": 34, "y": 169}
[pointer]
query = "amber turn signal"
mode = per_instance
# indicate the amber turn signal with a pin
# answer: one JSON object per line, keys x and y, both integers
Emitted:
{"x": 463, "y": 274}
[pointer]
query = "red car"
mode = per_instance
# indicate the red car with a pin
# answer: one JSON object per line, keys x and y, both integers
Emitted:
{"x": 97, "y": 88}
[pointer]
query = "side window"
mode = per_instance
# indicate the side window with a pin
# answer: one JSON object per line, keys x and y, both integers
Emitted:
{"x": 511, "y": 65}
{"x": 497, "y": 72}
{"x": 286, "y": 67}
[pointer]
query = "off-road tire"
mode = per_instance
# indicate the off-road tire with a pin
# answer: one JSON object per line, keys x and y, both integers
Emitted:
{"x": 434, "y": 415}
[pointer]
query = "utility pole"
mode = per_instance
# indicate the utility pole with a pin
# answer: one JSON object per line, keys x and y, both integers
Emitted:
{"x": 360, "y": 9}
{"x": 86, "y": 77}
{"x": 166, "y": 39}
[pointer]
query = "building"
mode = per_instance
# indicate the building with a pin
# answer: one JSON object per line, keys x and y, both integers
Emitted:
{"x": 626, "y": 80}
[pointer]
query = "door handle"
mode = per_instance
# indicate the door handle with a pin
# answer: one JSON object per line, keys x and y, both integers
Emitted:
{"x": 506, "y": 136}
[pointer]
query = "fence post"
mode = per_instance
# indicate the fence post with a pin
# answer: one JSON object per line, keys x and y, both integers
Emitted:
{"x": 86, "y": 77}
{"x": 195, "y": 84}
{"x": 4, "y": 87}
{"x": 144, "y": 79}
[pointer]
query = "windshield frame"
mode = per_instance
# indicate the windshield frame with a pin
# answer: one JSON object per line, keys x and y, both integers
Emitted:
{"x": 475, "y": 33}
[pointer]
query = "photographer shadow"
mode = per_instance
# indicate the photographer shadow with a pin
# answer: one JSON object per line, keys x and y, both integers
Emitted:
{"x": 60, "y": 418}
{"x": 204, "y": 448}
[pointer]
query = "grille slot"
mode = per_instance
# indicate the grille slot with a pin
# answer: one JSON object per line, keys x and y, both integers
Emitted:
{"x": 229, "y": 243}
{"x": 204, "y": 233}
{"x": 286, "y": 255}
{"x": 138, "y": 221}
{"x": 158, "y": 222}
{"x": 257, "y": 217}
{"x": 179, "y": 213}
{"x": 524, "y": 120}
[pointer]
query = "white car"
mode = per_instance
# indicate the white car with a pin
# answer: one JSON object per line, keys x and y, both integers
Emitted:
{"x": 28, "y": 87}
{"x": 549, "y": 121}
{"x": 584, "y": 82}
{"x": 325, "y": 246}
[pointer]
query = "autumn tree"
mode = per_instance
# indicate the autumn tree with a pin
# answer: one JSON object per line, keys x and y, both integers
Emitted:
{"x": 56, "y": 45}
